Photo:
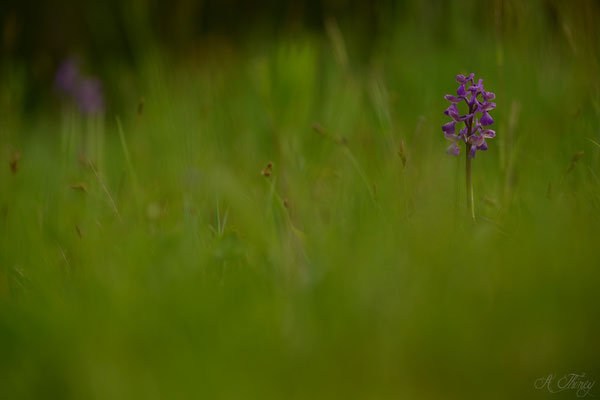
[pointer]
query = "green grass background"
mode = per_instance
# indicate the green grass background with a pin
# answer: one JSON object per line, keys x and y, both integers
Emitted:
{"x": 182, "y": 272}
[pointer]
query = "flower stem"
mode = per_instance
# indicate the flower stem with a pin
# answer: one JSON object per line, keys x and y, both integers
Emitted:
{"x": 470, "y": 203}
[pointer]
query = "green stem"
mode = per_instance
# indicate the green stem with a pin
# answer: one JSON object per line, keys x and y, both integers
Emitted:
{"x": 470, "y": 202}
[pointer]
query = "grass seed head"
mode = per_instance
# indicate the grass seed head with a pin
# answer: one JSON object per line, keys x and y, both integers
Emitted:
{"x": 268, "y": 170}
{"x": 576, "y": 157}
{"x": 402, "y": 153}
{"x": 14, "y": 162}
{"x": 79, "y": 186}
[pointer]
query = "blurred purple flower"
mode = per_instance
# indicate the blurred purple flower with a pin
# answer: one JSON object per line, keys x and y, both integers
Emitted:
{"x": 473, "y": 132}
{"x": 89, "y": 96}
{"x": 85, "y": 91}
{"x": 67, "y": 77}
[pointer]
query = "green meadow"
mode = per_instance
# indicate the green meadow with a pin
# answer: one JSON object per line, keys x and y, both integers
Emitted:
{"x": 276, "y": 217}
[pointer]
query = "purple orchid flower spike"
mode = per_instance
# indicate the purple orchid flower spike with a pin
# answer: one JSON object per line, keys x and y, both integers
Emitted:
{"x": 479, "y": 103}
{"x": 475, "y": 131}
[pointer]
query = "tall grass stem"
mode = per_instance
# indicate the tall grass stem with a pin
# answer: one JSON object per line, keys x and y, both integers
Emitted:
{"x": 470, "y": 202}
